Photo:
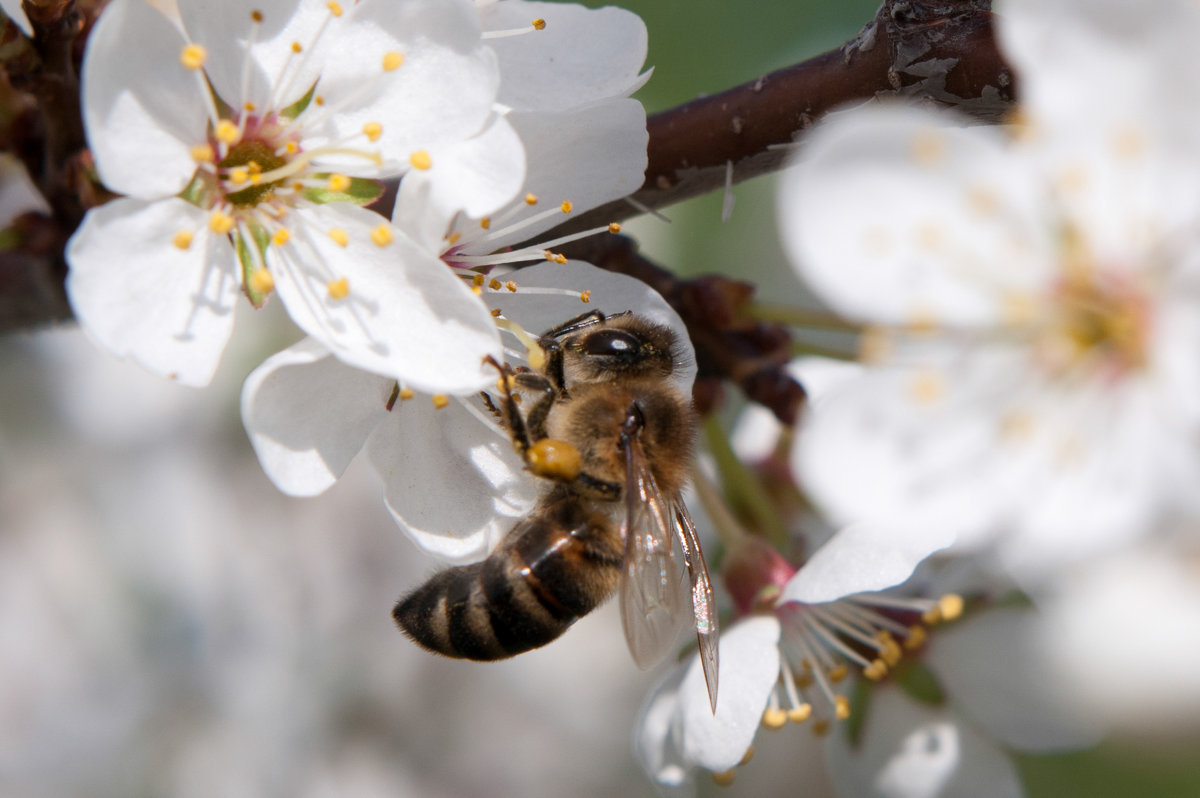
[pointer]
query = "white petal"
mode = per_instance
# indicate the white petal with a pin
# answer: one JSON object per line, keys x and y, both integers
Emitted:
{"x": 893, "y": 215}
{"x": 14, "y": 10}
{"x": 589, "y": 156}
{"x": 140, "y": 296}
{"x": 454, "y": 484}
{"x": 657, "y": 739}
{"x": 583, "y": 55}
{"x": 749, "y": 670}
{"x": 18, "y": 194}
{"x": 142, "y": 108}
{"x": 861, "y": 558}
{"x": 910, "y": 751}
{"x": 611, "y": 293}
{"x": 406, "y": 316}
{"x": 993, "y": 665}
{"x": 476, "y": 176}
{"x": 308, "y": 414}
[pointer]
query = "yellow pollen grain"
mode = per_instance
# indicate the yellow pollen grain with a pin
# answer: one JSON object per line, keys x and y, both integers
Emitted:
{"x": 585, "y": 296}
{"x": 193, "y": 56}
{"x": 800, "y": 714}
{"x": 339, "y": 288}
{"x": 334, "y": 8}
{"x": 382, "y": 235}
{"x": 511, "y": 286}
{"x": 319, "y": 99}
{"x": 841, "y": 707}
{"x": 220, "y": 222}
{"x": 440, "y": 401}
{"x": 239, "y": 175}
{"x": 338, "y": 183}
{"x": 228, "y": 132}
{"x": 202, "y": 153}
{"x": 876, "y": 670}
{"x": 838, "y": 673}
{"x": 927, "y": 387}
{"x": 486, "y": 223}
{"x": 539, "y": 24}
{"x": 774, "y": 718}
{"x": 339, "y": 236}
{"x": 559, "y": 258}
{"x": 453, "y": 238}
{"x": 261, "y": 281}
{"x": 373, "y": 130}
{"x": 256, "y": 15}
{"x": 495, "y": 284}
{"x": 613, "y": 227}
{"x": 567, "y": 207}
{"x": 182, "y": 239}
{"x": 297, "y": 186}
{"x": 723, "y": 779}
{"x": 928, "y": 147}
{"x": 892, "y": 653}
{"x": 297, "y": 47}
{"x": 951, "y": 606}
{"x": 420, "y": 160}
{"x": 478, "y": 279}
{"x": 531, "y": 199}
{"x": 281, "y": 236}
{"x": 392, "y": 60}
{"x": 476, "y": 290}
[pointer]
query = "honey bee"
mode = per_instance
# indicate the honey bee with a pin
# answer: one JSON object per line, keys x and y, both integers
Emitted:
{"x": 606, "y": 426}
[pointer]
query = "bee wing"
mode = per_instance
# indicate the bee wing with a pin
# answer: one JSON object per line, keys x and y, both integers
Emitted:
{"x": 651, "y": 592}
{"x": 704, "y": 606}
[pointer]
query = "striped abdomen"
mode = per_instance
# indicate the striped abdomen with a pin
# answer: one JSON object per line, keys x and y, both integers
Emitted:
{"x": 554, "y": 566}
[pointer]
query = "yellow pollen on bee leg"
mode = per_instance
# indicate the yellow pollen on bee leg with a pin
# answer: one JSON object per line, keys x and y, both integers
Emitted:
{"x": 202, "y": 153}
{"x": 440, "y": 401}
{"x": 392, "y": 61}
{"x": 554, "y": 459}
{"x": 193, "y": 56}
{"x": 281, "y": 236}
{"x": 723, "y": 779}
{"x": 182, "y": 239}
{"x": 373, "y": 130}
{"x": 421, "y": 160}
{"x": 774, "y": 718}
{"x": 338, "y": 183}
{"x": 220, "y": 222}
{"x": 539, "y": 24}
{"x": 613, "y": 227}
{"x": 334, "y": 8}
{"x": 585, "y": 296}
{"x": 227, "y": 132}
{"x": 261, "y": 281}
{"x": 382, "y": 235}
{"x": 339, "y": 288}
{"x": 800, "y": 714}
{"x": 339, "y": 236}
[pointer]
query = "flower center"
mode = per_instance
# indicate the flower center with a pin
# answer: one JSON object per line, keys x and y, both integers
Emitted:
{"x": 1100, "y": 320}
{"x": 244, "y": 165}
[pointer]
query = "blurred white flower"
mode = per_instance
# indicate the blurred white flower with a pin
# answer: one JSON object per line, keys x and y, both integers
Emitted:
{"x": 452, "y": 479}
{"x": 1029, "y": 296}
{"x": 245, "y": 141}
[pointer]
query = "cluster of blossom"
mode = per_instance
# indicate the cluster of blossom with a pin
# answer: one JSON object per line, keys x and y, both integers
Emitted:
{"x": 1025, "y": 393}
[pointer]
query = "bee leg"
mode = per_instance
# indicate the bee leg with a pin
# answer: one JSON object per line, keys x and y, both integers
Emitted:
{"x": 535, "y": 417}
{"x": 510, "y": 413}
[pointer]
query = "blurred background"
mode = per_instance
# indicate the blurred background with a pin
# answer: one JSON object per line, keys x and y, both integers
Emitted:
{"x": 171, "y": 625}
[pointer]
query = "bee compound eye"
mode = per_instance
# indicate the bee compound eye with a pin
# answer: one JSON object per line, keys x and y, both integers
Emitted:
{"x": 610, "y": 342}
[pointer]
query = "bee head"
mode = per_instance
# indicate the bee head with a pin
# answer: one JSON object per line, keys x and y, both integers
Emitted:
{"x": 619, "y": 347}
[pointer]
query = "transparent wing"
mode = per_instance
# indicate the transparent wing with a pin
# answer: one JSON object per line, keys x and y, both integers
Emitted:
{"x": 651, "y": 591}
{"x": 704, "y": 606}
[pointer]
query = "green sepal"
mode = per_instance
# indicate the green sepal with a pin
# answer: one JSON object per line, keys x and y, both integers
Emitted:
{"x": 362, "y": 191}
{"x": 261, "y": 239}
{"x": 197, "y": 191}
{"x": 919, "y": 684}
{"x": 295, "y": 109}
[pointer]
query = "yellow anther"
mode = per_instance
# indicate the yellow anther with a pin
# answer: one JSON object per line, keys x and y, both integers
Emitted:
{"x": 239, "y": 175}
{"x": 495, "y": 284}
{"x": 339, "y": 236}
{"x": 820, "y": 727}
{"x": 495, "y": 312}
{"x": 182, "y": 239}
{"x": 292, "y": 148}
{"x": 261, "y": 281}
{"x": 774, "y": 718}
{"x": 723, "y": 779}
{"x": 220, "y": 222}
{"x": 613, "y": 227}
{"x": 927, "y": 387}
{"x": 250, "y": 107}
{"x": 511, "y": 286}
{"x": 373, "y": 131}
{"x": 476, "y": 290}
{"x": 800, "y": 714}
{"x": 554, "y": 459}
{"x": 951, "y": 606}
{"x": 382, "y": 235}
{"x": 281, "y": 236}
{"x": 407, "y": 393}
{"x": 420, "y": 160}
{"x": 916, "y": 637}
{"x": 256, "y": 15}
{"x": 804, "y": 681}
{"x": 838, "y": 673}
{"x": 891, "y": 653}
{"x": 746, "y": 757}
{"x": 392, "y": 60}
{"x": 586, "y": 296}
{"x": 338, "y": 183}
{"x": 228, "y": 132}
{"x": 567, "y": 207}
{"x": 876, "y": 670}
{"x": 339, "y": 288}
{"x": 334, "y": 8}
{"x": 453, "y": 238}
{"x": 841, "y": 707}
{"x": 485, "y": 222}
{"x": 539, "y": 24}
{"x": 297, "y": 47}
{"x": 531, "y": 199}
{"x": 478, "y": 279}
{"x": 193, "y": 56}
{"x": 202, "y": 153}
{"x": 874, "y": 345}
{"x": 560, "y": 258}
